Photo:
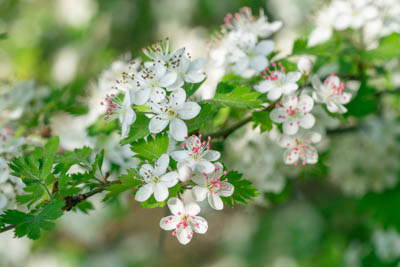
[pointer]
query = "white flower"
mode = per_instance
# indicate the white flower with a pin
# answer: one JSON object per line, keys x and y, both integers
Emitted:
{"x": 158, "y": 51}
{"x": 211, "y": 186}
{"x": 185, "y": 173}
{"x": 305, "y": 65}
{"x": 331, "y": 93}
{"x": 278, "y": 82}
{"x": 187, "y": 71}
{"x": 173, "y": 111}
{"x": 300, "y": 147}
{"x": 9, "y": 145}
{"x": 250, "y": 55}
{"x": 294, "y": 112}
{"x": 196, "y": 154}
{"x": 157, "y": 181}
{"x": 152, "y": 79}
{"x": 121, "y": 110}
{"x": 184, "y": 220}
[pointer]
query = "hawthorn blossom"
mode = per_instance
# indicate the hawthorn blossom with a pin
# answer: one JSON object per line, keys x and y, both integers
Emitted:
{"x": 121, "y": 110}
{"x": 156, "y": 180}
{"x": 184, "y": 220}
{"x": 300, "y": 147}
{"x": 211, "y": 186}
{"x": 187, "y": 71}
{"x": 331, "y": 93}
{"x": 293, "y": 112}
{"x": 277, "y": 82}
{"x": 153, "y": 79}
{"x": 305, "y": 65}
{"x": 173, "y": 110}
{"x": 196, "y": 154}
{"x": 250, "y": 55}
{"x": 158, "y": 51}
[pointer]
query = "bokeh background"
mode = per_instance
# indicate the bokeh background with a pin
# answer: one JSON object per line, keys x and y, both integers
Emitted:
{"x": 58, "y": 43}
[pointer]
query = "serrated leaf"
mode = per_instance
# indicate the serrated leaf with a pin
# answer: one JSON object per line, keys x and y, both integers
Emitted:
{"x": 31, "y": 224}
{"x": 152, "y": 148}
{"x": 128, "y": 182}
{"x": 139, "y": 130}
{"x": 239, "y": 97}
{"x": 262, "y": 119}
{"x": 80, "y": 156}
{"x": 244, "y": 189}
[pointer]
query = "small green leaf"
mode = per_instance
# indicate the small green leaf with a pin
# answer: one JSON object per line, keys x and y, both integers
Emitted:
{"x": 262, "y": 119}
{"x": 244, "y": 190}
{"x": 152, "y": 148}
{"x": 239, "y": 97}
{"x": 191, "y": 88}
{"x": 31, "y": 224}
{"x": 206, "y": 114}
{"x": 128, "y": 181}
{"x": 388, "y": 49}
{"x": 139, "y": 130}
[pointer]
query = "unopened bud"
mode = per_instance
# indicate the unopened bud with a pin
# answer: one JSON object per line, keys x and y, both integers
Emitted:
{"x": 305, "y": 65}
{"x": 185, "y": 173}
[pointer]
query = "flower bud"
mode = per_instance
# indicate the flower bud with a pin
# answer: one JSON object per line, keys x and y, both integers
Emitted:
{"x": 305, "y": 65}
{"x": 185, "y": 173}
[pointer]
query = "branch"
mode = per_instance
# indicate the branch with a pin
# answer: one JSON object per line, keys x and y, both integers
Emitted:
{"x": 72, "y": 201}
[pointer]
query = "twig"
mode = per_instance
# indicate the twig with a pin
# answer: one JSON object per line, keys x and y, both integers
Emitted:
{"x": 8, "y": 227}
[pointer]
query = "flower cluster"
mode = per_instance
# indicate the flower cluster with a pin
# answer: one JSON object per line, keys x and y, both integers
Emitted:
{"x": 197, "y": 172}
{"x": 158, "y": 85}
{"x": 240, "y": 47}
{"x": 374, "y": 19}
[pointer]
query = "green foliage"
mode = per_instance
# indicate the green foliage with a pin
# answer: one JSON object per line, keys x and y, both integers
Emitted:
{"x": 128, "y": 182}
{"x": 191, "y": 88}
{"x": 364, "y": 103}
{"x": 322, "y": 50}
{"x": 153, "y": 203}
{"x": 262, "y": 119}
{"x": 235, "y": 97}
{"x": 30, "y": 224}
{"x": 3, "y": 36}
{"x": 101, "y": 127}
{"x": 152, "y": 148}
{"x": 139, "y": 129}
{"x": 207, "y": 114}
{"x": 244, "y": 190}
{"x": 388, "y": 49}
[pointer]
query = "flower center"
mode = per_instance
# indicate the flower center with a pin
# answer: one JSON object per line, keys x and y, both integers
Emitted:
{"x": 172, "y": 113}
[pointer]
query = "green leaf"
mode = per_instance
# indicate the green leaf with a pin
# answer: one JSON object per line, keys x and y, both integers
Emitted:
{"x": 34, "y": 192}
{"x": 3, "y": 36}
{"x": 139, "y": 130}
{"x": 244, "y": 190}
{"x": 191, "y": 88}
{"x": 128, "y": 182}
{"x": 326, "y": 49}
{"x": 239, "y": 97}
{"x": 207, "y": 113}
{"x": 152, "y": 148}
{"x": 262, "y": 119}
{"x": 388, "y": 49}
{"x": 364, "y": 102}
{"x": 31, "y": 224}
{"x": 80, "y": 156}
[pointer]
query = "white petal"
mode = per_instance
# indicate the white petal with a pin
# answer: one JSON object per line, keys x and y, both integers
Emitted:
{"x": 170, "y": 179}
{"x": 199, "y": 224}
{"x": 160, "y": 192}
{"x": 316, "y": 82}
{"x": 144, "y": 192}
{"x": 194, "y": 77}
{"x": 306, "y": 103}
{"x": 168, "y": 79}
{"x": 189, "y": 110}
{"x": 319, "y": 35}
{"x": 158, "y": 123}
{"x": 307, "y": 121}
{"x": 290, "y": 156}
{"x": 278, "y": 115}
{"x": 177, "y": 98}
{"x": 211, "y": 155}
{"x": 180, "y": 155}
{"x": 175, "y": 205}
{"x": 199, "y": 179}
{"x": 196, "y": 65}
{"x": 142, "y": 96}
{"x": 293, "y": 77}
{"x": 241, "y": 66}
{"x": 287, "y": 141}
{"x": 184, "y": 235}
{"x": 199, "y": 193}
{"x": 158, "y": 95}
{"x": 178, "y": 129}
{"x": 145, "y": 171}
{"x": 259, "y": 63}
{"x": 332, "y": 107}
{"x": 345, "y": 98}
{"x": 265, "y": 86}
{"x": 204, "y": 166}
{"x": 159, "y": 69}
{"x": 161, "y": 165}
{"x": 192, "y": 209}
{"x": 264, "y": 47}
{"x": 290, "y": 127}
{"x": 226, "y": 189}
{"x": 215, "y": 201}
{"x": 127, "y": 118}
{"x": 289, "y": 88}
{"x": 169, "y": 222}
{"x": 275, "y": 93}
